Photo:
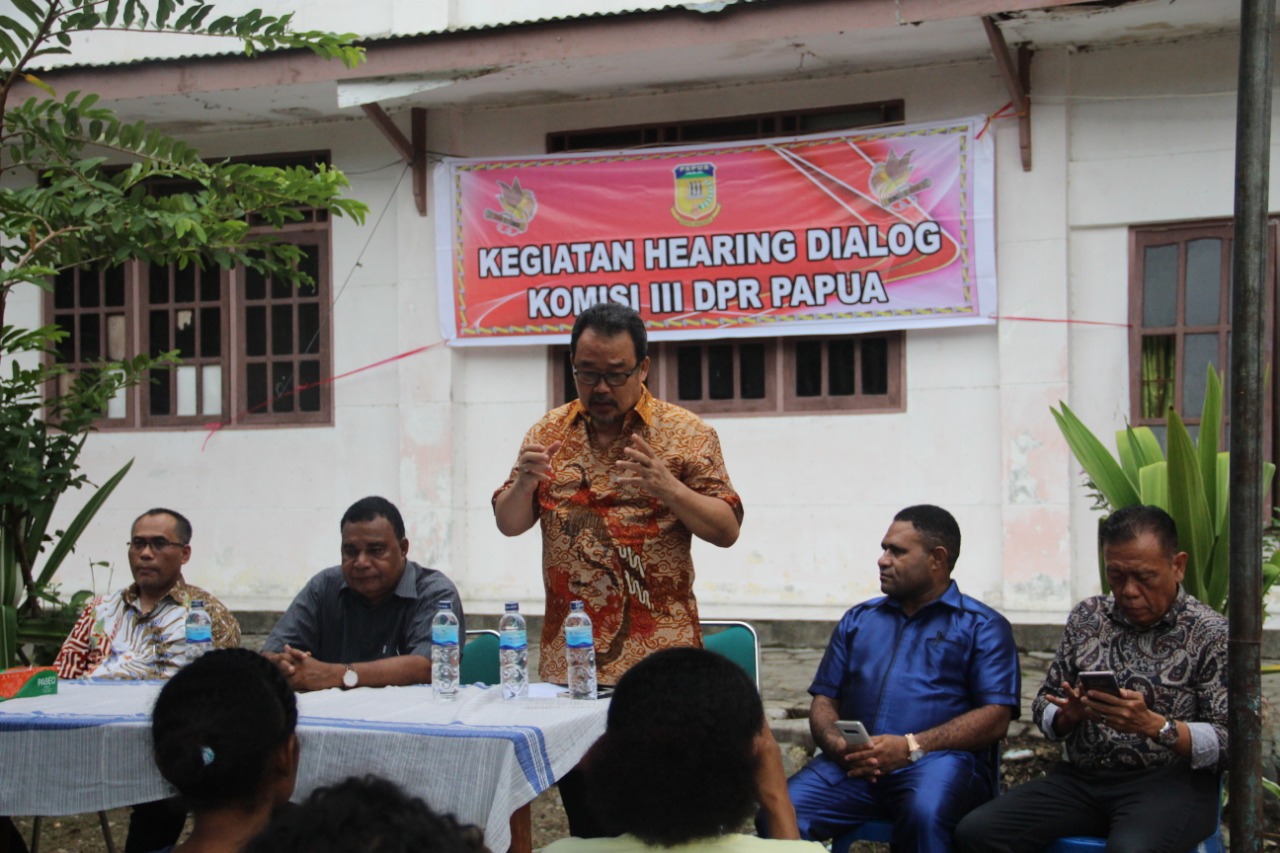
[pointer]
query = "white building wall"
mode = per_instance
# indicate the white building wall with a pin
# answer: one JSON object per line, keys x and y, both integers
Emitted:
{"x": 1120, "y": 137}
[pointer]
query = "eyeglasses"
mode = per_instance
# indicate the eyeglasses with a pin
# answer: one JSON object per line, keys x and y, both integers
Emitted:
{"x": 591, "y": 378}
{"x": 155, "y": 543}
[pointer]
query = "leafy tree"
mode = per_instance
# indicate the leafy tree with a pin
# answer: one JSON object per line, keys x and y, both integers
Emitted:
{"x": 73, "y": 193}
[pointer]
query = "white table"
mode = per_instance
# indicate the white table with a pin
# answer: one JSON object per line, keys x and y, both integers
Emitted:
{"x": 480, "y": 757}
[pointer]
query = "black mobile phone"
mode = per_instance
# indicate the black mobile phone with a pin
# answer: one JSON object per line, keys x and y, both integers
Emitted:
{"x": 1103, "y": 681}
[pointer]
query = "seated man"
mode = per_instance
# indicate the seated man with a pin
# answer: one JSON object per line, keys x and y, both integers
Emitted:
{"x": 932, "y": 675}
{"x": 1141, "y": 767}
{"x": 367, "y": 622}
{"x": 140, "y": 632}
{"x": 686, "y": 756}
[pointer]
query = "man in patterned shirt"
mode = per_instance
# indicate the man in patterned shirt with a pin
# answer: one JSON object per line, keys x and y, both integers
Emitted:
{"x": 620, "y": 482}
{"x": 1142, "y": 767}
{"x": 140, "y": 633}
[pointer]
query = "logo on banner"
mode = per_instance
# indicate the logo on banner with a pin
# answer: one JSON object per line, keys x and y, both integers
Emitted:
{"x": 891, "y": 181}
{"x": 518, "y": 209}
{"x": 695, "y": 194}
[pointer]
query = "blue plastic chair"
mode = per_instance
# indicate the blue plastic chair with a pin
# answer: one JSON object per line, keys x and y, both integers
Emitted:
{"x": 480, "y": 659}
{"x": 1093, "y": 844}
{"x": 737, "y": 641}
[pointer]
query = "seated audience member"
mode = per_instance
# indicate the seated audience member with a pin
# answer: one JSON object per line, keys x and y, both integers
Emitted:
{"x": 1141, "y": 768}
{"x": 223, "y": 734}
{"x": 368, "y": 815}
{"x": 140, "y": 632}
{"x": 684, "y": 760}
{"x": 932, "y": 675}
{"x": 367, "y": 622}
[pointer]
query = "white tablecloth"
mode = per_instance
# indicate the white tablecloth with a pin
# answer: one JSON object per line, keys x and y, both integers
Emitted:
{"x": 480, "y": 757}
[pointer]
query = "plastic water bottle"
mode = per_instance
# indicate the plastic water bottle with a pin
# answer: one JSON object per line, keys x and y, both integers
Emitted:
{"x": 445, "y": 654}
{"x": 580, "y": 652}
{"x": 199, "y": 630}
{"x": 513, "y": 653}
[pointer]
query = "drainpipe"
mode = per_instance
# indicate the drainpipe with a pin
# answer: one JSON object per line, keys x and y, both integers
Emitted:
{"x": 1249, "y": 266}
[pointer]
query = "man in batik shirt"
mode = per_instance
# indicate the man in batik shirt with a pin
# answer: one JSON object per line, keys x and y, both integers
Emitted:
{"x": 1142, "y": 767}
{"x": 620, "y": 483}
{"x": 140, "y": 633}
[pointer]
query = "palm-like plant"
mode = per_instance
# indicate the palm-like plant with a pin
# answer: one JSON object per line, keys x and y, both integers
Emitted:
{"x": 1190, "y": 483}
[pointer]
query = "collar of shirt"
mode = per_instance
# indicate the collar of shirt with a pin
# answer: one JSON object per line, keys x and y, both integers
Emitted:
{"x": 949, "y": 598}
{"x": 1168, "y": 620}
{"x": 406, "y": 588}
{"x": 642, "y": 410}
{"x": 177, "y": 594}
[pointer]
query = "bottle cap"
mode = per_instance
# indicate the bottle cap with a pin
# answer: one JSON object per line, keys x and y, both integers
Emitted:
{"x": 576, "y": 605}
{"x": 197, "y": 602}
{"x": 447, "y": 604}
{"x": 513, "y": 607}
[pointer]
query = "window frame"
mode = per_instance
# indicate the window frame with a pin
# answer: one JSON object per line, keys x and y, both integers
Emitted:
{"x": 1181, "y": 234}
{"x": 316, "y": 228}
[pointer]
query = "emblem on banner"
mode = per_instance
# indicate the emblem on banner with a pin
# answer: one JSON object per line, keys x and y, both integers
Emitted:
{"x": 696, "y": 202}
{"x": 519, "y": 206}
{"x": 891, "y": 181}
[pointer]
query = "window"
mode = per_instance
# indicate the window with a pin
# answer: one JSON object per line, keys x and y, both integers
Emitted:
{"x": 1181, "y": 308}
{"x": 758, "y": 375}
{"x": 769, "y": 375}
{"x": 252, "y": 349}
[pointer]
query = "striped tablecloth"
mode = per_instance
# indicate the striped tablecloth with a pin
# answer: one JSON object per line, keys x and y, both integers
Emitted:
{"x": 89, "y": 747}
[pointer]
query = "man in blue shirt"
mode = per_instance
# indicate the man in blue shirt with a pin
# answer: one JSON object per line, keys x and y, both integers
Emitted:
{"x": 933, "y": 676}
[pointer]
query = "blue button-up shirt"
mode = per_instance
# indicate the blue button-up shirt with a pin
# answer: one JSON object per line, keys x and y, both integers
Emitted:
{"x": 898, "y": 674}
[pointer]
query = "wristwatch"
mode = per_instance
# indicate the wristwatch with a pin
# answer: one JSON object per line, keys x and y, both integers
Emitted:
{"x": 1168, "y": 734}
{"x": 916, "y": 752}
{"x": 350, "y": 678}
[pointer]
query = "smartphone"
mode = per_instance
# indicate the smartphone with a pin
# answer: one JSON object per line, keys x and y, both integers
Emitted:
{"x": 1103, "y": 681}
{"x": 855, "y": 734}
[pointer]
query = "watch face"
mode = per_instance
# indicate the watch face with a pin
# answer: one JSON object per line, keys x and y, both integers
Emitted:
{"x": 349, "y": 678}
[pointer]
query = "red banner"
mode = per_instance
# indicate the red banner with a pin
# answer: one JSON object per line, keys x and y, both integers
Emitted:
{"x": 839, "y": 233}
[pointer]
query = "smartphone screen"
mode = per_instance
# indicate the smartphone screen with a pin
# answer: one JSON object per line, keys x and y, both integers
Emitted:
{"x": 1102, "y": 681}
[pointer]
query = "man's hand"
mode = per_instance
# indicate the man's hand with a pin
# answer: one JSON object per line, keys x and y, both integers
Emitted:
{"x": 885, "y": 754}
{"x": 534, "y": 465}
{"x": 1126, "y": 713}
{"x": 644, "y": 469}
{"x": 303, "y": 672}
{"x": 1071, "y": 709}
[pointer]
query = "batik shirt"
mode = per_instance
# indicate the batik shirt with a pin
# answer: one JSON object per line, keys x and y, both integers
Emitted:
{"x": 114, "y": 639}
{"x": 1179, "y": 665}
{"x": 619, "y": 550}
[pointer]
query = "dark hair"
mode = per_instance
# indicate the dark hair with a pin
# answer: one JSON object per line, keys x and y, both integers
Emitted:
{"x": 184, "y": 526}
{"x": 608, "y": 319}
{"x": 216, "y": 724}
{"x": 676, "y": 762}
{"x": 367, "y": 509}
{"x": 936, "y": 527}
{"x": 368, "y": 815}
{"x": 1128, "y": 523}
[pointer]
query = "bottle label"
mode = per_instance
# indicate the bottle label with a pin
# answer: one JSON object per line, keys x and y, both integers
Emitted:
{"x": 513, "y": 640}
{"x": 444, "y": 635}
{"x": 577, "y": 636}
{"x": 199, "y": 634}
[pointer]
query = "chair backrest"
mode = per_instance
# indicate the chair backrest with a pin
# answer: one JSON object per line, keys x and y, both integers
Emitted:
{"x": 737, "y": 641}
{"x": 480, "y": 658}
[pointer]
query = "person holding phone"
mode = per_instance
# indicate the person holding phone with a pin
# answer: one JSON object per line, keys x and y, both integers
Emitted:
{"x": 1144, "y": 747}
{"x": 932, "y": 676}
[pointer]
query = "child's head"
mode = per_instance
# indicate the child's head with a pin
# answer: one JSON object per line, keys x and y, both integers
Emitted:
{"x": 222, "y": 729}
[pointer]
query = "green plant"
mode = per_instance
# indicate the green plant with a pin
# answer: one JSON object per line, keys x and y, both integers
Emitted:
{"x": 63, "y": 206}
{"x": 1190, "y": 483}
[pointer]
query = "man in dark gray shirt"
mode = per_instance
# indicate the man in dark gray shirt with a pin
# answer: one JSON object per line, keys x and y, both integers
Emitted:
{"x": 367, "y": 622}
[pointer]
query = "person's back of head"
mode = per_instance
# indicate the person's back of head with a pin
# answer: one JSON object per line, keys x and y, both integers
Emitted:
{"x": 223, "y": 731}
{"x": 368, "y": 815}
{"x": 676, "y": 762}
